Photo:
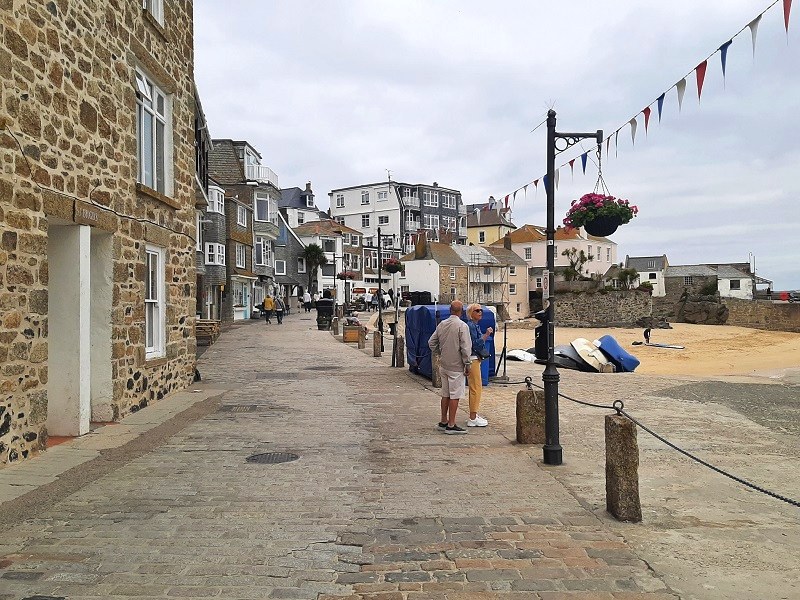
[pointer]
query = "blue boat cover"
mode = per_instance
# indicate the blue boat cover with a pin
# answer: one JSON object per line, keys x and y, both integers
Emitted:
{"x": 623, "y": 360}
{"x": 421, "y": 322}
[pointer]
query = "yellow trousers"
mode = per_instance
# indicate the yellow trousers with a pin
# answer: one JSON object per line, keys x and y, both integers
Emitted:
{"x": 475, "y": 385}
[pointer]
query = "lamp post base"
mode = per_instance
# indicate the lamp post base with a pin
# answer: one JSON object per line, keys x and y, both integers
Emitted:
{"x": 552, "y": 454}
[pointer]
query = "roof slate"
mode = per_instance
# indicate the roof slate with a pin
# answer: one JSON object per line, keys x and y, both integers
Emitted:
{"x": 506, "y": 256}
{"x": 640, "y": 263}
{"x": 324, "y": 227}
{"x": 223, "y": 163}
{"x": 689, "y": 271}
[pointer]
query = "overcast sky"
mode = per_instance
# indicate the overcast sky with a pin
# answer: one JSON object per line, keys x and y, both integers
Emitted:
{"x": 336, "y": 92}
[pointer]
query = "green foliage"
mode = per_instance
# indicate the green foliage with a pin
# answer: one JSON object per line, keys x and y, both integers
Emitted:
{"x": 577, "y": 259}
{"x": 709, "y": 288}
{"x": 315, "y": 258}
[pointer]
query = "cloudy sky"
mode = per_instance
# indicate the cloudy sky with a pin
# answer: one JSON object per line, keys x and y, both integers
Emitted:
{"x": 337, "y": 91}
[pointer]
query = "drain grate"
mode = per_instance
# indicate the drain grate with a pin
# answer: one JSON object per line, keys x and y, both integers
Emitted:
{"x": 272, "y": 458}
{"x": 238, "y": 408}
{"x": 322, "y": 368}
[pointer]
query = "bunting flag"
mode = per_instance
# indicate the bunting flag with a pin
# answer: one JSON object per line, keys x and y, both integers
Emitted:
{"x": 753, "y": 25}
{"x": 536, "y": 185}
{"x": 545, "y": 182}
{"x": 584, "y": 156}
{"x": 514, "y": 199}
{"x": 660, "y": 105}
{"x": 572, "y": 168}
{"x": 608, "y": 145}
{"x": 681, "y": 87}
{"x": 787, "y": 8}
{"x": 556, "y": 176}
{"x": 723, "y": 55}
{"x": 700, "y": 71}
{"x": 646, "y": 112}
{"x": 507, "y": 199}
{"x": 526, "y": 192}
{"x": 616, "y": 143}
{"x": 634, "y": 125}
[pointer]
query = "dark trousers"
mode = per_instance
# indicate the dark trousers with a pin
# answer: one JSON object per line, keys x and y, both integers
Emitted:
{"x": 279, "y": 315}
{"x": 268, "y": 316}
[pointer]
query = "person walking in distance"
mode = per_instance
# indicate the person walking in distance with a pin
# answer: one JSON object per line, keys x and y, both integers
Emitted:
{"x": 279, "y": 308}
{"x": 269, "y": 306}
{"x": 478, "y": 344}
{"x": 307, "y": 301}
{"x": 452, "y": 342}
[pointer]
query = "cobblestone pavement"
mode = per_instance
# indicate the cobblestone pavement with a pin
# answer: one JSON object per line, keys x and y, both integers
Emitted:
{"x": 378, "y": 505}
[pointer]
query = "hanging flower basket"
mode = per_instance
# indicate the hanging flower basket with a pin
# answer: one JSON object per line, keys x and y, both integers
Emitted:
{"x": 392, "y": 265}
{"x": 599, "y": 214}
{"x": 346, "y": 275}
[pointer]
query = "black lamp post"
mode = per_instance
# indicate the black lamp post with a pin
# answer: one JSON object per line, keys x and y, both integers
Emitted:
{"x": 550, "y": 377}
{"x": 380, "y": 290}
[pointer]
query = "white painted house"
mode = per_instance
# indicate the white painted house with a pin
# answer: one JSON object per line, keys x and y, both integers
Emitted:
{"x": 651, "y": 270}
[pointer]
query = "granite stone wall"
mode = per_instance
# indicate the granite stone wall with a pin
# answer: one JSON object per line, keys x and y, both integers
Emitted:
{"x": 763, "y": 314}
{"x": 68, "y": 156}
{"x": 602, "y": 309}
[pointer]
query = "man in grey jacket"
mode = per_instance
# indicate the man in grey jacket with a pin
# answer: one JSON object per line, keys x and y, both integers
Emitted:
{"x": 452, "y": 341}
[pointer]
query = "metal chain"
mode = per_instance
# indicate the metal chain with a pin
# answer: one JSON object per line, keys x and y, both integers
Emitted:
{"x": 600, "y": 186}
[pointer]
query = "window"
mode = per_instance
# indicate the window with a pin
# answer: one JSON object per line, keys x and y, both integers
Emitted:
{"x": 487, "y": 289}
{"x": 365, "y": 220}
{"x": 354, "y": 240}
{"x": 301, "y": 265}
{"x": 198, "y": 234}
{"x": 452, "y": 272}
{"x": 310, "y": 201}
{"x": 687, "y": 280}
{"x": 430, "y": 198}
{"x": 262, "y": 206}
{"x": 608, "y": 254}
{"x": 329, "y": 245}
{"x": 383, "y": 196}
{"x": 155, "y": 8}
{"x": 409, "y": 193}
{"x": 328, "y": 270}
{"x": 487, "y": 270}
{"x": 448, "y": 200}
{"x": 735, "y": 284}
{"x": 538, "y": 282}
{"x": 651, "y": 264}
{"x": 481, "y": 237}
{"x": 280, "y": 267}
{"x": 269, "y": 252}
{"x": 339, "y": 200}
{"x": 512, "y": 270}
{"x": 241, "y": 260}
{"x": 283, "y": 235}
{"x": 430, "y": 221}
{"x": 216, "y": 199}
{"x": 383, "y": 219}
{"x": 364, "y": 197}
{"x": 453, "y": 292}
{"x": 152, "y": 118}
{"x": 301, "y": 217}
{"x": 528, "y": 253}
{"x": 154, "y": 302}
{"x": 512, "y": 289}
{"x": 346, "y": 238}
{"x": 260, "y": 254}
{"x": 215, "y": 254}
{"x": 651, "y": 275}
{"x": 355, "y": 263}
{"x": 238, "y": 293}
{"x": 340, "y": 220}
{"x": 241, "y": 215}
{"x": 589, "y": 250}
{"x": 449, "y": 223}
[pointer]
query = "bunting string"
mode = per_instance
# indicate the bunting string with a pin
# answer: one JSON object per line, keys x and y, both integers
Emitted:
{"x": 680, "y": 87}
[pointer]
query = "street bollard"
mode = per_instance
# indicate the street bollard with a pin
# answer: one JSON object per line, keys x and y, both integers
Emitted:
{"x": 530, "y": 417}
{"x": 335, "y": 326}
{"x": 436, "y": 377}
{"x": 622, "y": 469}
{"x": 377, "y": 339}
{"x": 362, "y": 338}
{"x": 400, "y": 352}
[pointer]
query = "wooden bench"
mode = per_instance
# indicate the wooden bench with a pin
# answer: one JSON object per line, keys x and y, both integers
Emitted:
{"x": 206, "y": 331}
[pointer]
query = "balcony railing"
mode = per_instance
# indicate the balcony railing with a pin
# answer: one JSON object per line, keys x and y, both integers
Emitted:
{"x": 412, "y": 226}
{"x": 462, "y": 209}
{"x": 408, "y": 248}
{"x": 410, "y": 202}
{"x": 262, "y": 173}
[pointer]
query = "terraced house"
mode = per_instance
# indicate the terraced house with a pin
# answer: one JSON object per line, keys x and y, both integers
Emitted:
{"x": 97, "y": 211}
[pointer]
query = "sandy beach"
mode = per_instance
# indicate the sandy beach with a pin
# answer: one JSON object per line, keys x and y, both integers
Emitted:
{"x": 709, "y": 349}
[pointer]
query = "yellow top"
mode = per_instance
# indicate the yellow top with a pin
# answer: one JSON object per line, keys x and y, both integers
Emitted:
{"x": 269, "y": 303}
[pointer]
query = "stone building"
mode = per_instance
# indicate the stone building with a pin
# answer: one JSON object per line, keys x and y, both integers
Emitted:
{"x": 97, "y": 211}
{"x": 486, "y": 225}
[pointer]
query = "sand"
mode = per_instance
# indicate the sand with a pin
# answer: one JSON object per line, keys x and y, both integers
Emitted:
{"x": 709, "y": 349}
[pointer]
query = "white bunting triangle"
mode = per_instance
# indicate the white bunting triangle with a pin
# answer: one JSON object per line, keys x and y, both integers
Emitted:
{"x": 634, "y": 125}
{"x": 753, "y": 25}
{"x": 681, "y": 86}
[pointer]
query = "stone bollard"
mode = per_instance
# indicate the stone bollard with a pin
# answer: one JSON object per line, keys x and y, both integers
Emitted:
{"x": 400, "y": 352}
{"x": 530, "y": 417}
{"x": 622, "y": 469}
{"x": 362, "y": 339}
{"x": 436, "y": 378}
{"x": 335, "y": 326}
{"x": 376, "y": 344}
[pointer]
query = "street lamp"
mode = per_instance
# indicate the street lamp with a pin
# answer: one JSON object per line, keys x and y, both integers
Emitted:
{"x": 552, "y": 447}
{"x": 380, "y": 291}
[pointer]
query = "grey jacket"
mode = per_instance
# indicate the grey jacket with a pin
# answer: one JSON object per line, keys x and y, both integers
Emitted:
{"x": 451, "y": 339}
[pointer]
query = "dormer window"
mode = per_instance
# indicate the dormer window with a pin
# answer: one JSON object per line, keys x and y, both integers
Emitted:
{"x": 310, "y": 201}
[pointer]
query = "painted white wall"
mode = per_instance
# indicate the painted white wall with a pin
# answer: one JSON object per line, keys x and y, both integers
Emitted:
{"x": 69, "y": 339}
{"x": 422, "y": 276}
{"x": 101, "y": 279}
{"x": 745, "y": 293}
{"x": 599, "y": 250}
{"x": 353, "y": 209}
{"x": 658, "y": 283}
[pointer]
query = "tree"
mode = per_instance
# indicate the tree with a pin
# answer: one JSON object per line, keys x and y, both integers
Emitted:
{"x": 627, "y": 277}
{"x": 315, "y": 258}
{"x": 577, "y": 259}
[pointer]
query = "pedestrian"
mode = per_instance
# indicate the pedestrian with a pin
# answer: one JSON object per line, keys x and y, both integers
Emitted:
{"x": 315, "y": 300}
{"x": 269, "y": 306}
{"x": 387, "y": 300}
{"x": 479, "y": 353}
{"x": 368, "y": 301}
{"x": 769, "y": 293}
{"x": 452, "y": 342}
{"x": 307, "y": 301}
{"x": 279, "y": 308}
{"x": 373, "y": 305}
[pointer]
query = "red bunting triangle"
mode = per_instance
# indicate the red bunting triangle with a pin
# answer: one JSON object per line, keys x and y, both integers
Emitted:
{"x": 787, "y": 8}
{"x": 700, "y": 71}
{"x": 646, "y": 112}
{"x": 507, "y": 199}
{"x": 572, "y": 167}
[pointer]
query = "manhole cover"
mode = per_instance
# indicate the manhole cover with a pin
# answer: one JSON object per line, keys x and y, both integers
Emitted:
{"x": 322, "y": 368}
{"x": 272, "y": 458}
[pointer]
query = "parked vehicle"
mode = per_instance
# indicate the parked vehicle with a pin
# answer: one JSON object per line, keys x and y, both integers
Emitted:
{"x": 794, "y": 296}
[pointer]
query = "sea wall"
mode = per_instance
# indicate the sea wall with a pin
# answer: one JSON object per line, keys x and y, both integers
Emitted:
{"x": 603, "y": 308}
{"x": 763, "y": 314}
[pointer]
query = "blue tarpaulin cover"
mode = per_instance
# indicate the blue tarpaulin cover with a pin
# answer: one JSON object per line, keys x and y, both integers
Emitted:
{"x": 421, "y": 322}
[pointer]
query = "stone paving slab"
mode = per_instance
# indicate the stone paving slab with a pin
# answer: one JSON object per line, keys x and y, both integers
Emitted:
{"x": 379, "y": 505}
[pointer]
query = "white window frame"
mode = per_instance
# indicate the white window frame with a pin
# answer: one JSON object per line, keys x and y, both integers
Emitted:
{"x": 261, "y": 212}
{"x": 512, "y": 269}
{"x": 431, "y": 222}
{"x": 339, "y": 200}
{"x": 215, "y": 254}
{"x": 383, "y": 219}
{"x": 738, "y": 283}
{"x": 260, "y": 247}
{"x": 354, "y": 241}
{"x": 198, "y": 235}
{"x": 340, "y": 220}
{"x": 365, "y": 220}
{"x": 452, "y": 273}
{"x": 430, "y": 198}
{"x": 241, "y": 215}
{"x": 155, "y": 302}
{"x": 608, "y": 254}
{"x": 512, "y": 289}
{"x": 364, "y": 198}
{"x": 280, "y": 267}
{"x": 528, "y": 253}
{"x": 449, "y": 223}
{"x": 301, "y": 264}
{"x": 156, "y": 9}
{"x": 383, "y": 195}
{"x": 241, "y": 255}
{"x": 216, "y": 199}
{"x": 448, "y": 200}
{"x": 301, "y": 217}
{"x": 539, "y": 282}
{"x": 481, "y": 237}
{"x": 153, "y": 105}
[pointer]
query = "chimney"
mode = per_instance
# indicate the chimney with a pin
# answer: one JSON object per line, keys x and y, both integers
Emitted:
{"x": 421, "y": 247}
{"x": 308, "y": 187}
{"x": 507, "y": 241}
